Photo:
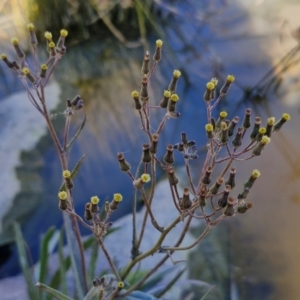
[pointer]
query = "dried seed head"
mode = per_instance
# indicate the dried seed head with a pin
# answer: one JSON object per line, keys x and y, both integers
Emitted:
{"x": 243, "y": 206}
{"x": 232, "y": 125}
{"x": 229, "y": 210}
{"x": 169, "y": 156}
{"x": 144, "y": 89}
{"x": 215, "y": 188}
{"x": 206, "y": 178}
{"x": 88, "y": 211}
{"x": 173, "y": 180}
{"x": 202, "y": 198}
{"x": 185, "y": 202}
{"x": 237, "y": 141}
{"x": 247, "y": 120}
{"x": 154, "y": 143}
{"x": 231, "y": 180}
{"x": 145, "y": 66}
{"x": 124, "y": 165}
{"x": 223, "y": 200}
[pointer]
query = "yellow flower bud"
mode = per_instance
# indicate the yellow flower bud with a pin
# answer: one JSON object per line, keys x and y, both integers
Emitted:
{"x": 230, "y": 78}
{"x": 15, "y": 41}
{"x": 63, "y": 32}
{"x": 95, "y": 200}
{"x": 210, "y": 86}
{"x": 174, "y": 97}
{"x": 159, "y": 43}
{"x": 145, "y": 178}
{"x": 255, "y": 173}
{"x": 66, "y": 174}
{"x": 118, "y": 197}
{"x": 62, "y": 195}
{"x": 176, "y": 73}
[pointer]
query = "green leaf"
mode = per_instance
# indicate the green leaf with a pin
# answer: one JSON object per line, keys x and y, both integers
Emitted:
{"x": 74, "y": 255}
{"x": 63, "y": 264}
{"x": 93, "y": 261}
{"x": 206, "y": 294}
{"x": 55, "y": 293}
{"x": 74, "y": 172}
{"x": 33, "y": 295}
{"x": 76, "y": 134}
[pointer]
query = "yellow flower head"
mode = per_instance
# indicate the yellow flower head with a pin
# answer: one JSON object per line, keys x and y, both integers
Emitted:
{"x": 230, "y": 78}
{"x": 271, "y": 121}
{"x": 120, "y": 284}
{"x": 262, "y": 130}
{"x": 118, "y": 197}
{"x": 209, "y": 127}
{"x": 3, "y": 56}
{"x": 167, "y": 93}
{"x": 159, "y": 43}
{"x": 44, "y": 67}
{"x": 176, "y": 73}
{"x": 63, "y": 33}
{"x": 63, "y": 195}
{"x": 135, "y": 94}
{"x": 286, "y": 117}
{"x": 210, "y": 86}
{"x": 214, "y": 81}
{"x": 66, "y": 174}
{"x": 265, "y": 140}
{"x": 51, "y": 45}
{"x": 95, "y": 200}
{"x": 145, "y": 178}
{"x": 14, "y": 41}
{"x": 30, "y": 26}
{"x": 48, "y": 35}
{"x": 255, "y": 173}
{"x": 26, "y": 71}
{"x": 174, "y": 97}
{"x": 223, "y": 125}
{"x": 223, "y": 114}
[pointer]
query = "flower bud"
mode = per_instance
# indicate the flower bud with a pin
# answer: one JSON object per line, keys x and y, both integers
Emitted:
{"x": 173, "y": 84}
{"x": 33, "y": 39}
{"x": 261, "y": 132}
{"x": 232, "y": 125}
{"x": 17, "y": 47}
{"x": 144, "y": 89}
{"x": 229, "y": 210}
{"x": 243, "y": 206}
{"x": 116, "y": 200}
{"x": 209, "y": 92}
{"x": 258, "y": 148}
{"x": 139, "y": 183}
{"x": 63, "y": 202}
{"x": 269, "y": 128}
{"x": 43, "y": 72}
{"x": 285, "y": 117}
{"x": 165, "y": 99}
{"x": 215, "y": 188}
{"x": 224, "y": 90}
{"x": 202, "y": 198}
{"x": 223, "y": 201}
{"x": 224, "y": 133}
{"x": 231, "y": 180}
{"x": 28, "y": 74}
{"x": 206, "y": 177}
{"x": 94, "y": 201}
{"x": 135, "y": 96}
{"x": 7, "y": 61}
{"x": 209, "y": 131}
{"x": 237, "y": 141}
{"x": 247, "y": 119}
{"x": 249, "y": 183}
{"x": 88, "y": 211}
{"x": 154, "y": 143}
{"x": 222, "y": 116}
{"x": 157, "y": 53}
{"x": 255, "y": 128}
{"x": 61, "y": 41}
{"x": 172, "y": 102}
{"x": 145, "y": 66}
{"x": 52, "y": 50}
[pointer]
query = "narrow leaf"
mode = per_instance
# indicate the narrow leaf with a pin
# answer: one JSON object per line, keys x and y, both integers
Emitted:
{"x": 24, "y": 262}
{"x": 74, "y": 172}
{"x": 55, "y": 293}
{"x": 76, "y": 134}
{"x": 170, "y": 284}
{"x": 93, "y": 261}
{"x": 74, "y": 255}
{"x": 206, "y": 294}
{"x": 62, "y": 265}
